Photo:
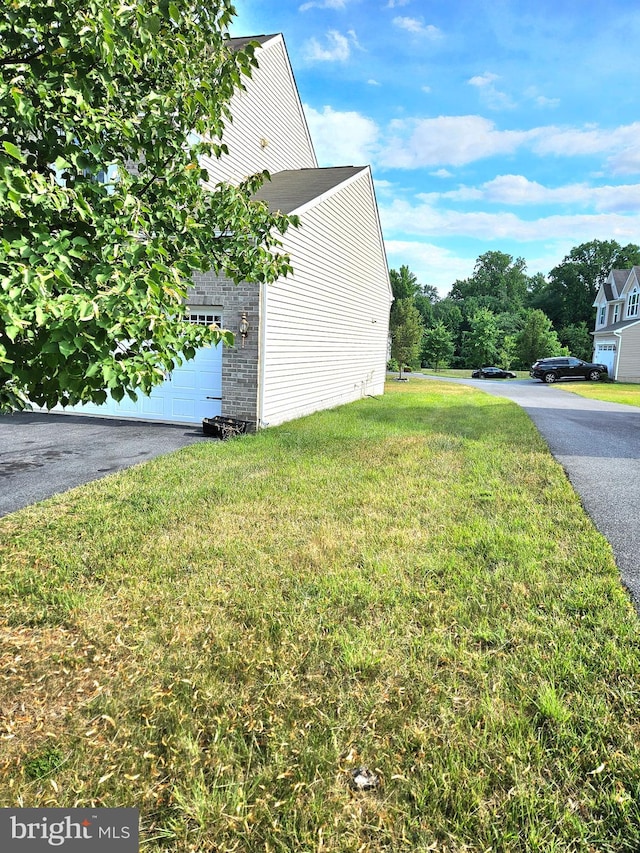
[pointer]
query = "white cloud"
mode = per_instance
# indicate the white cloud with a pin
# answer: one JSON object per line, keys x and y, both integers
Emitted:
{"x": 354, "y": 39}
{"x": 417, "y": 27}
{"x": 384, "y": 186}
{"x": 373, "y": 82}
{"x": 622, "y": 144}
{"x": 482, "y": 80}
{"x": 539, "y": 100}
{"x": 442, "y": 173}
{"x": 342, "y": 138}
{"x": 518, "y": 190}
{"x": 589, "y": 139}
{"x": 337, "y": 49}
{"x": 393, "y": 4}
{"x": 431, "y": 264}
{"x": 447, "y": 141}
{"x": 323, "y": 4}
{"x": 626, "y": 161}
{"x": 493, "y": 97}
{"x": 459, "y": 140}
{"x": 424, "y": 219}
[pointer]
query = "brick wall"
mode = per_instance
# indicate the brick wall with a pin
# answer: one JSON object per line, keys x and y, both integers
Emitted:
{"x": 239, "y": 365}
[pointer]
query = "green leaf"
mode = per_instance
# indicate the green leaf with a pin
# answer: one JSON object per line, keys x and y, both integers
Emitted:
{"x": 152, "y": 24}
{"x": 12, "y": 332}
{"x": 13, "y": 151}
{"x": 67, "y": 348}
{"x": 107, "y": 20}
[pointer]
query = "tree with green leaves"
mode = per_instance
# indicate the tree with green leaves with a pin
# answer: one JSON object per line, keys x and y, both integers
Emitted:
{"x": 499, "y": 283}
{"x": 105, "y": 109}
{"x": 406, "y": 330}
{"x": 507, "y": 350}
{"x": 449, "y": 311}
{"x": 437, "y": 346}
{"x": 537, "y": 339}
{"x": 480, "y": 343}
{"x": 573, "y": 285}
{"x": 578, "y": 340}
{"x": 425, "y": 301}
{"x": 404, "y": 283}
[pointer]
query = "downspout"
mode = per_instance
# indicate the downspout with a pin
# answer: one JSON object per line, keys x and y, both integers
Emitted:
{"x": 262, "y": 321}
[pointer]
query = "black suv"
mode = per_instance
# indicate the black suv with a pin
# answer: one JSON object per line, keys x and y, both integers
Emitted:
{"x": 564, "y": 367}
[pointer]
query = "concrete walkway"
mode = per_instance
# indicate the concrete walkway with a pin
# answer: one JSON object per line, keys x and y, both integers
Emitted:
{"x": 598, "y": 445}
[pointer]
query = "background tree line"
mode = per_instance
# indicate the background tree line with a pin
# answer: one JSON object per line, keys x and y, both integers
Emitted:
{"x": 501, "y": 315}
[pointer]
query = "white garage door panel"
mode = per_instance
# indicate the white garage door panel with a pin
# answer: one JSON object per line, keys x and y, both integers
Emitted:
{"x": 606, "y": 354}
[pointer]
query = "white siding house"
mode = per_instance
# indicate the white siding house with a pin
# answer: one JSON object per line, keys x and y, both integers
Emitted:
{"x": 269, "y": 130}
{"x": 325, "y": 327}
{"x": 316, "y": 339}
{"x": 616, "y": 337}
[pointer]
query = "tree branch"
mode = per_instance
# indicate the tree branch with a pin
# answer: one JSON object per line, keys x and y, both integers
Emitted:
{"x": 153, "y": 177}
{"x": 14, "y": 59}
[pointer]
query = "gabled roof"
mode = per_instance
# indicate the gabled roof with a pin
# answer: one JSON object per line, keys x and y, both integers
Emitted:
{"x": 290, "y": 190}
{"x": 631, "y": 281}
{"x": 241, "y": 41}
{"x": 619, "y": 279}
{"x": 612, "y": 289}
{"x": 614, "y": 327}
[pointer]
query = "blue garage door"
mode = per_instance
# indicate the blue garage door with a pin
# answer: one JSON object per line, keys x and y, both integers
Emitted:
{"x": 192, "y": 392}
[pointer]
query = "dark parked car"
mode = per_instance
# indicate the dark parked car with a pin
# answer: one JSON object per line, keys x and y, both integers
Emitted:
{"x": 492, "y": 373}
{"x": 552, "y": 369}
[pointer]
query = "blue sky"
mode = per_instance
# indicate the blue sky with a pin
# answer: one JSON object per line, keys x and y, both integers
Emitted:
{"x": 489, "y": 125}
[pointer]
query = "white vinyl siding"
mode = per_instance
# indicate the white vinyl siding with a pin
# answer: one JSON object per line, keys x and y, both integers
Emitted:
{"x": 326, "y": 327}
{"x": 269, "y": 130}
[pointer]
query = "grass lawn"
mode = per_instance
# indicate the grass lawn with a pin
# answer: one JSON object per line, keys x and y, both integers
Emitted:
{"x": 611, "y": 392}
{"x": 220, "y": 636}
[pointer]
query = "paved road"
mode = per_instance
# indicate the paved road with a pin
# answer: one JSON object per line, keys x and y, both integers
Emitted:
{"x": 41, "y": 455}
{"x": 598, "y": 445}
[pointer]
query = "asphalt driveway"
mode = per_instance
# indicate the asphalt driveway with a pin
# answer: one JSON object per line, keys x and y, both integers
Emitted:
{"x": 41, "y": 455}
{"x": 598, "y": 445}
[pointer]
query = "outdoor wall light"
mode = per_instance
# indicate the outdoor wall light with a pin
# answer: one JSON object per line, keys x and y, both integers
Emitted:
{"x": 243, "y": 327}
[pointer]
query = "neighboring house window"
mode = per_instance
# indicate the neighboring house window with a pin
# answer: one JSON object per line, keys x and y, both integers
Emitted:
{"x": 632, "y": 305}
{"x": 603, "y": 313}
{"x": 616, "y": 312}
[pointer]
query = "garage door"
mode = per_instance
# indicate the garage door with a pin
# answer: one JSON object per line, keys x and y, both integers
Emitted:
{"x": 192, "y": 392}
{"x": 606, "y": 354}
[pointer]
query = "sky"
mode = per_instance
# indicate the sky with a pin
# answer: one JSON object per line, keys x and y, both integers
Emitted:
{"x": 489, "y": 125}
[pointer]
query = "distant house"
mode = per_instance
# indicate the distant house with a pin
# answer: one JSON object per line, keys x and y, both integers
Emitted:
{"x": 616, "y": 338}
{"x": 315, "y": 339}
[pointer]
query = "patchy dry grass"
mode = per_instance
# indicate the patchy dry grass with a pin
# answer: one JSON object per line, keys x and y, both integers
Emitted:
{"x": 220, "y": 636}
